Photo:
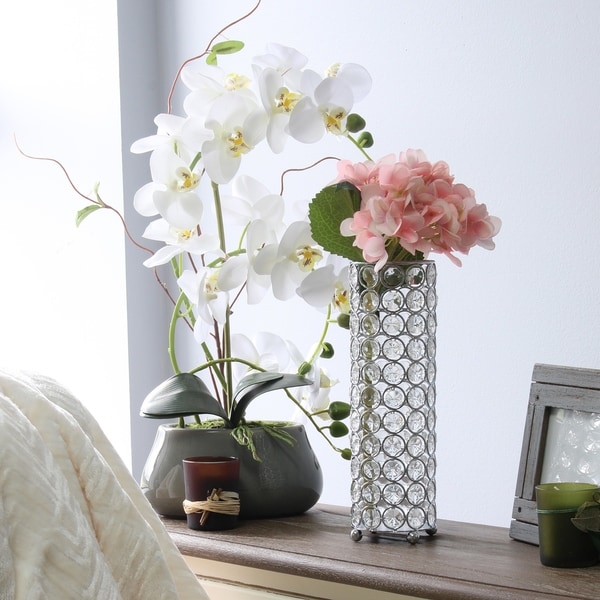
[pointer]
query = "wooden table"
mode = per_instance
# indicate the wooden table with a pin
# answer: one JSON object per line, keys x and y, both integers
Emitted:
{"x": 312, "y": 556}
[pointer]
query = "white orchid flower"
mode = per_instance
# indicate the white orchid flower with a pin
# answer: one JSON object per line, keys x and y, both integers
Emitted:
{"x": 238, "y": 125}
{"x": 290, "y": 261}
{"x": 283, "y": 59}
{"x": 327, "y": 103}
{"x": 210, "y": 84}
{"x": 233, "y": 273}
{"x": 177, "y": 241}
{"x": 259, "y": 232}
{"x": 314, "y": 397}
{"x": 211, "y": 303}
{"x": 279, "y": 75}
{"x": 279, "y": 100}
{"x": 172, "y": 190}
{"x": 265, "y": 350}
{"x": 327, "y": 285}
{"x": 173, "y": 130}
{"x": 251, "y": 200}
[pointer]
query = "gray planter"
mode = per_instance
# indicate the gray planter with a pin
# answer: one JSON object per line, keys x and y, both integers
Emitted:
{"x": 287, "y": 481}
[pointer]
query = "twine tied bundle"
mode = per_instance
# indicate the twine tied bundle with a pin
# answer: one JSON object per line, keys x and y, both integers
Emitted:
{"x": 218, "y": 501}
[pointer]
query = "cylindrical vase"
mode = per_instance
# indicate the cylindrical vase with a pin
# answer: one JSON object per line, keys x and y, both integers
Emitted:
{"x": 392, "y": 421}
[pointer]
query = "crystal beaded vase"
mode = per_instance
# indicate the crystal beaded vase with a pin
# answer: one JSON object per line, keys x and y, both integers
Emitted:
{"x": 392, "y": 421}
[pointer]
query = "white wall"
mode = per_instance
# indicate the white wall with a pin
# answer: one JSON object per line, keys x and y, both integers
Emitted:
{"x": 506, "y": 92}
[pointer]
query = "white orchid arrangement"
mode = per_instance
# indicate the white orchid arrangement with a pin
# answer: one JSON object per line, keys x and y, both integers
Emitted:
{"x": 226, "y": 240}
{"x": 225, "y": 237}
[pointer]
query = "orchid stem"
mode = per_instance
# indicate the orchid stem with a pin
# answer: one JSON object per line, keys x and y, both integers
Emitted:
{"x": 172, "y": 326}
{"x": 319, "y": 344}
{"x": 310, "y": 417}
{"x": 228, "y": 389}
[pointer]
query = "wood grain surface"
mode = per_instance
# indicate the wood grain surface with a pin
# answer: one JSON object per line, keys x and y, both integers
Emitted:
{"x": 462, "y": 561}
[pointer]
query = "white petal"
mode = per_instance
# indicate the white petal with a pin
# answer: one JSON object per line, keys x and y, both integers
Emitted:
{"x": 297, "y": 235}
{"x": 143, "y": 200}
{"x": 309, "y": 81}
{"x": 243, "y": 347}
{"x": 162, "y": 256}
{"x": 148, "y": 143}
{"x": 256, "y": 286}
{"x": 273, "y": 344}
{"x": 233, "y": 273}
{"x": 168, "y": 123}
{"x": 218, "y": 307}
{"x": 182, "y": 210}
{"x": 265, "y": 260}
{"x": 317, "y": 287}
{"x": 190, "y": 284}
{"x": 250, "y": 188}
{"x": 255, "y": 127}
{"x": 220, "y": 166}
{"x": 160, "y": 231}
{"x": 277, "y": 132}
{"x": 285, "y": 278}
{"x": 334, "y": 92}
{"x": 202, "y": 327}
{"x": 358, "y": 78}
{"x": 306, "y": 123}
{"x": 207, "y": 242}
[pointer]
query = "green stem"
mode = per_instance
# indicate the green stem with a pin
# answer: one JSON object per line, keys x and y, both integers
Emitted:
{"x": 172, "y": 326}
{"x": 210, "y": 362}
{"x": 364, "y": 152}
{"x": 195, "y": 161}
{"x": 228, "y": 387}
{"x": 310, "y": 416}
{"x": 224, "y": 361}
{"x": 319, "y": 345}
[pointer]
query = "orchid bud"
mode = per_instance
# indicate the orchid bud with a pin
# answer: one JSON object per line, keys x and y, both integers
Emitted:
{"x": 338, "y": 410}
{"x": 327, "y": 350}
{"x": 343, "y": 320}
{"x": 355, "y": 123}
{"x": 338, "y": 429}
{"x": 365, "y": 140}
{"x": 304, "y": 368}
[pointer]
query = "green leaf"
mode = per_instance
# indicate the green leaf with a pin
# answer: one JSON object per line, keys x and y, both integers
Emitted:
{"x": 181, "y": 395}
{"x": 227, "y": 47}
{"x": 279, "y": 433}
{"x": 84, "y": 212}
{"x": 261, "y": 383}
{"x": 211, "y": 59}
{"x": 255, "y": 379}
{"x": 326, "y": 211}
{"x": 243, "y": 435}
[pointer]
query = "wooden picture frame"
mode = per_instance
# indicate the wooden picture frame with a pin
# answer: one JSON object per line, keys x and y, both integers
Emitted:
{"x": 554, "y": 390}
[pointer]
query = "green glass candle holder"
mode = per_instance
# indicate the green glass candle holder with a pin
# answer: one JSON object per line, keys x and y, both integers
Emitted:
{"x": 561, "y": 543}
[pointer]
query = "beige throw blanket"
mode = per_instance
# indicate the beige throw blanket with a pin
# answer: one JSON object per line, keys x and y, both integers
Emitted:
{"x": 73, "y": 522}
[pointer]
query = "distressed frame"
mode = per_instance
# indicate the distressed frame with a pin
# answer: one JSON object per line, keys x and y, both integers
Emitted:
{"x": 552, "y": 387}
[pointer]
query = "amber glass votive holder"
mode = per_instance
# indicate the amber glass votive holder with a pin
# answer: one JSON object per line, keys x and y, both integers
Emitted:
{"x": 561, "y": 543}
{"x": 212, "y": 499}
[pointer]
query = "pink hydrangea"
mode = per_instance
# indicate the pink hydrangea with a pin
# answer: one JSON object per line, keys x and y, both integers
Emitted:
{"x": 410, "y": 205}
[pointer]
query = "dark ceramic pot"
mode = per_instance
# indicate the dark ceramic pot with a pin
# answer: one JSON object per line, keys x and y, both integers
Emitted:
{"x": 287, "y": 481}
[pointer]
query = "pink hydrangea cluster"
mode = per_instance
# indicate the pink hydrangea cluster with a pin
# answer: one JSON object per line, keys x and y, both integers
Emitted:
{"x": 410, "y": 205}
